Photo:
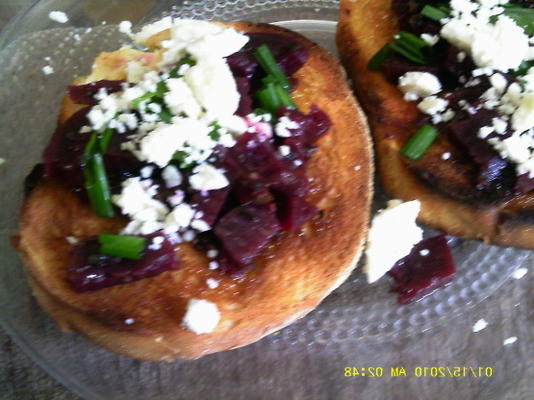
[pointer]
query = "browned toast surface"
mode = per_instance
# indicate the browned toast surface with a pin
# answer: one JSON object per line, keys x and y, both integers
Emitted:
{"x": 449, "y": 200}
{"x": 293, "y": 275}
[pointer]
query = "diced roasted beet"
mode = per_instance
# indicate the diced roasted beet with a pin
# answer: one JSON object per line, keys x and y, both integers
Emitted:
{"x": 396, "y": 66}
{"x": 311, "y": 126}
{"x": 417, "y": 274}
{"x": 494, "y": 171}
{"x": 63, "y": 157}
{"x": 89, "y": 270}
{"x": 256, "y": 191}
{"x": 210, "y": 203}
{"x": 524, "y": 183}
{"x": 245, "y": 102}
{"x": 84, "y": 94}
{"x": 246, "y": 230}
{"x": 242, "y": 64}
{"x": 288, "y": 53}
{"x": 410, "y": 19}
{"x": 293, "y": 212}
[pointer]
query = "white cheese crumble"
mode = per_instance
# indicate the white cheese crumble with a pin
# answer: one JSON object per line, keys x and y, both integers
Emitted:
{"x": 2, "y": 160}
{"x": 510, "y": 340}
{"x": 432, "y": 105}
{"x": 283, "y": 127}
{"x": 125, "y": 27}
{"x": 430, "y": 39}
{"x": 392, "y": 236}
{"x": 201, "y": 316}
{"x": 48, "y": 70}
{"x": 72, "y": 240}
{"x": 519, "y": 273}
{"x": 419, "y": 84}
{"x": 212, "y": 283}
{"x": 207, "y": 177}
{"x": 480, "y": 325}
{"x": 58, "y": 16}
{"x": 129, "y": 321}
{"x": 445, "y": 156}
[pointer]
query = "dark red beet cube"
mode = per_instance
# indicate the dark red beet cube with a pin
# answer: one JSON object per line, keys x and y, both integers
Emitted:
{"x": 89, "y": 270}
{"x": 210, "y": 203}
{"x": 293, "y": 212}
{"x": 420, "y": 273}
{"x": 84, "y": 94}
{"x": 246, "y": 230}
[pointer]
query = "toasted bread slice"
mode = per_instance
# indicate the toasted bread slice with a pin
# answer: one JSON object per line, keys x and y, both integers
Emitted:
{"x": 295, "y": 273}
{"x": 449, "y": 202}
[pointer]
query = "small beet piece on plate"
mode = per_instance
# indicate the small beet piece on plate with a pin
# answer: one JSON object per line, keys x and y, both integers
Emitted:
{"x": 428, "y": 267}
{"x": 246, "y": 230}
{"x": 90, "y": 270}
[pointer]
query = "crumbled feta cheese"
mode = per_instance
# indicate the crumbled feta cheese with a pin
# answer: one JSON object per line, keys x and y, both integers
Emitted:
{"x": 424, "y": 252}
{"x": 432, "y": 105}
{"x": 58, "y": 16}
{"x": 2, "y": 160}
{"x": 392, "y": 235}
{"x": 519, "y": 273}
{"x": 213, "y": 265}
{"x": 499, "y": 82}
{"x": 129, "y": 321}
{"x": 523, "y": 118}
{"x": 180, "y": 98}
{"x": 151, "y": 29}
{"x": 284, "y": 125}
{"x": 284, "y": 150}
{"x": 180, "y": 217}
{"x": 207, "y": 177}
{"x": 212, "y": 253}
{"x": 136, "y": 200}
{"x": 200, "y": 225}
{"x": 201, "y": 316}
{"x": 480, "y": 325}
{"x": 48, "y": 70}
{"x": 430, "y": 39}
{"x": 212, "y": 283}
{"x": 72, "y": 240}
{"x": 214, "y": 86}
{"x": 420, "y": 84}
{"x": 125, "y": 27}
{"x": 510, "y": 340}
{"x": 445, "y": 156}
{"x": 171, "y": 176}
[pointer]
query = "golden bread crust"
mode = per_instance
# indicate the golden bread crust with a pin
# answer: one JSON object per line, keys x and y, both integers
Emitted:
{"x": 293, "y": 275}
{"x": 364, "y": 27}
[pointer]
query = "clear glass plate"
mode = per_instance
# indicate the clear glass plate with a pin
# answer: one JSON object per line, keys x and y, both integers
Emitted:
{"x": 355, "y": 312}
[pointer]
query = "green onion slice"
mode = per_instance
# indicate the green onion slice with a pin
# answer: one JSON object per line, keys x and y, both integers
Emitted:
{"x": 378, "y": 60}
{"x": 268, "y": 63}
{"x": 268, "y": 98}
{"x": 420, "y": 141}
{"x": 284, "y": 97}
{"x": 104, "y": 139}
{"x": 130, "y": 247}
{"x": 97, "y": 186}
{"x": 174, "y": 72}
{"x": 435, "y": 13}
{"x": 524, "y": 17}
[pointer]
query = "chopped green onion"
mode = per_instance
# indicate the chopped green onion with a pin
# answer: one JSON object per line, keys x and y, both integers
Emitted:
{"x": 284, "y": 97}
{"x": 130, "y": 247}
{"x": 268, "y": 98}
{"x": 268, "y": 63}
{"x": 407, "y": 45}
{"x": 416, "y": 146}
{"x": 96, "y": 185}
{"x": 179, "y": 159}
{"x": 377, "y": 61}
{"x": 524, "y": 17}
{"x": 135, "y": 103}
{"x": 523, "y": 68}
{"x": 174, "y": 73}
{"x": 165, "y": 115}
{"x": 105, "y": 139}
{"x": 214, "y": 134}
{"x": 435, "y": 13}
